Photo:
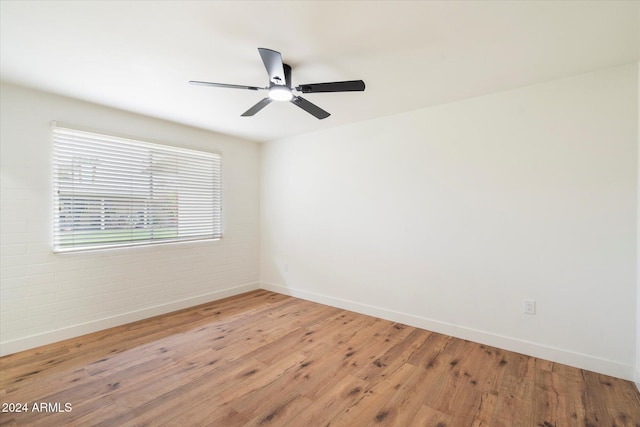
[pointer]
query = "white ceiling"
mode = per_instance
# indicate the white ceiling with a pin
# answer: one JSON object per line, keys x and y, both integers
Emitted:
{"x": 139, "y": 55}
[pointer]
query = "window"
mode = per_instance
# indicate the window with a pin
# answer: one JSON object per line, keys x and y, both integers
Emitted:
{"x": 111, "y": 191}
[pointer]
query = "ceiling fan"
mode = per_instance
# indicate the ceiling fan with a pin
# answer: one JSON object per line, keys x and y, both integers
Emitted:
{"x": 280, "y": 88}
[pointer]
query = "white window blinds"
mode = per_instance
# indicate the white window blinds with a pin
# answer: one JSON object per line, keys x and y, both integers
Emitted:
{"x": 111, "y": 191}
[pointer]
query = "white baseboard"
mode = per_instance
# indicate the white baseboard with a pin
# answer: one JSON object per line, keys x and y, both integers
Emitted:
{"x": 582, "y": 361}
{"x": 637, "y": 378}
{"x": 9, "y": 347}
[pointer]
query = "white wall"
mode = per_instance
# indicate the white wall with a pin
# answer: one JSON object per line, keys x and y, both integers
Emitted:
{"x": 45, "y": 297}
{"x": 448, "y": 217}
{"x": 445, "y": 218}
{"x": 637, "y": 373}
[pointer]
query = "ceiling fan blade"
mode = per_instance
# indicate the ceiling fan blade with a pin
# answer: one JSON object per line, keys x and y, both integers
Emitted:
{"x": 347, "y": 86}
{"x": 259, "y": 106}
{"x": 287, "y": 74}
{"x": 273, "y": 63}
{"x": 310, "y": 107}
{"x": 194, "y": 82}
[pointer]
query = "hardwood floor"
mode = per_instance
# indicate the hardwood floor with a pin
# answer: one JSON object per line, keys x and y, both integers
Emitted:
{"x": 263, "y": 358}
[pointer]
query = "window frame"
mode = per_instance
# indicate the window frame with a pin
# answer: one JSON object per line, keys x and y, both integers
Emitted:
{"x": 103, "y": 198}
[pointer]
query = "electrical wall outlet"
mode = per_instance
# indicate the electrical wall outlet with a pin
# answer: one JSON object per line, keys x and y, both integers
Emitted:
{"x": 529, "y": 306}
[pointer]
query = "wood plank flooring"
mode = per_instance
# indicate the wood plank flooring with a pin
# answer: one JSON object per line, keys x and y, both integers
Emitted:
{"x": 263, "y": 358}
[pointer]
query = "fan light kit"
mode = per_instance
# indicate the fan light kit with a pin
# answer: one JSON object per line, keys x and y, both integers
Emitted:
{"x": 280, "y": 88}
{"x": 280, "y": 93}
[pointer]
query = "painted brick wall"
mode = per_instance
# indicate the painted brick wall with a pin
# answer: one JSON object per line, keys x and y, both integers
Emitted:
{"x": 45, "y": 297}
